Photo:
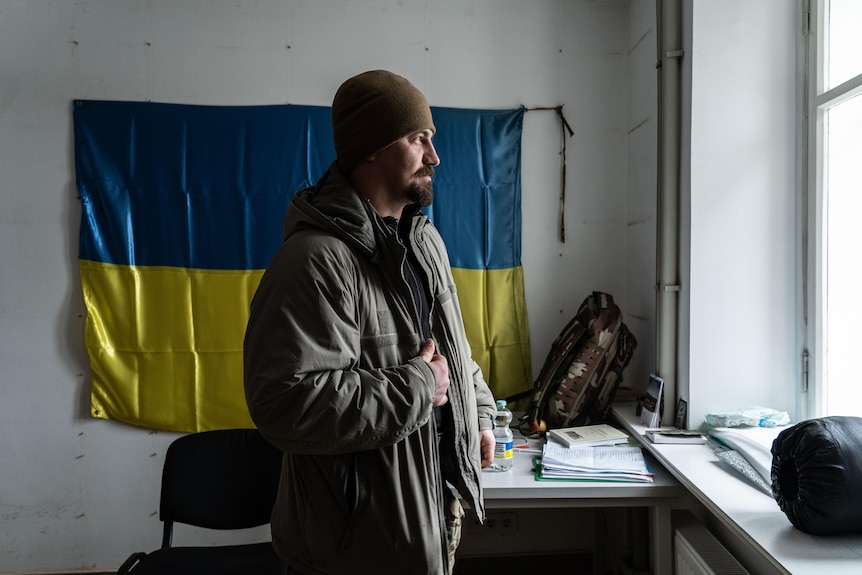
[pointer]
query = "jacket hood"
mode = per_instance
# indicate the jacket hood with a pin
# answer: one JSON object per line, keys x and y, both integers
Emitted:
{"x": 333, "y": 204}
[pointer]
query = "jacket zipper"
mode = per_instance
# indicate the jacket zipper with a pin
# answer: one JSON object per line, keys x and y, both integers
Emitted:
{"x": 351, "y": 496}
{"x": 435, "y": 449}
{"x": 441, "y": 510}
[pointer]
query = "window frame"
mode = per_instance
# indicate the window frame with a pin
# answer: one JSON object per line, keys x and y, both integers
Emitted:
{"x": 817, "y": 100}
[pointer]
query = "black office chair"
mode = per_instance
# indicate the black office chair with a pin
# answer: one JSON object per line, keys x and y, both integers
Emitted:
{"x": 223, "y": 480}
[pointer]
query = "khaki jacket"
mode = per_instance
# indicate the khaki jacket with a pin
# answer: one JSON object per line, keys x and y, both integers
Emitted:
{"x": 332, "y": 378}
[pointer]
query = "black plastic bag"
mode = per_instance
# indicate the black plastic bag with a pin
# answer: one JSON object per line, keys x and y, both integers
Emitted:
{"x": 817, "y": 475}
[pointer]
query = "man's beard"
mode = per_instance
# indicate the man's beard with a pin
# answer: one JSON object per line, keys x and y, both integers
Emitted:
{"x": 422, "y": 193}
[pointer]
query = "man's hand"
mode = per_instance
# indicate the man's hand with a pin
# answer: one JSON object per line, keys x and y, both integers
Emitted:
{"x": 486, "y": 446}
{"x": 440, "y": 367}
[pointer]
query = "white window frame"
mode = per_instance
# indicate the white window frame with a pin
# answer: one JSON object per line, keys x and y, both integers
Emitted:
{"x": 816, "y": 103}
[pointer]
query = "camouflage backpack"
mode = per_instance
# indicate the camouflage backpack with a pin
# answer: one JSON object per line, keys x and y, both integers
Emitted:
{"x": 583, "y": 369}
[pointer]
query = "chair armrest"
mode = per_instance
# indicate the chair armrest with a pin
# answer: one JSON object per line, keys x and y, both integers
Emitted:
{"x": 130, "y": 562}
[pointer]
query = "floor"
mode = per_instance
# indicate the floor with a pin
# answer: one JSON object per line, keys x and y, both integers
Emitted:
{"x": 569, "y": 563}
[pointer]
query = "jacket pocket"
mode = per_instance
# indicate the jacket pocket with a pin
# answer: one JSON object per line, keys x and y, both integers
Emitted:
{"x": 331, "y": 497}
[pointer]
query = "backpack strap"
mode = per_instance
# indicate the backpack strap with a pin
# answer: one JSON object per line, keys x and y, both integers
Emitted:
{"x": 569, "y": 339}
{"x": 579, "y": 329}
{"x": 587, "y": 367}
{"x": 619, "y": 356}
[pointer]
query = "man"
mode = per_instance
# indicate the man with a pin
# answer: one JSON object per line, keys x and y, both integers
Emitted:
{"x": 356, "y": 361}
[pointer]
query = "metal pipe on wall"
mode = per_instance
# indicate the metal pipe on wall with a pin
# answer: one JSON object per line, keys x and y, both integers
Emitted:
{"x": 669, "y": 23}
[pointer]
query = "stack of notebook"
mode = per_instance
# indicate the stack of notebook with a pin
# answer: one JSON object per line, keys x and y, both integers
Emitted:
{"x": 600, "y": 463}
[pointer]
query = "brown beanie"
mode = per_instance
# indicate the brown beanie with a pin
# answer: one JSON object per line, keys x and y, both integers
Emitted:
{"x": 371, "y": 111}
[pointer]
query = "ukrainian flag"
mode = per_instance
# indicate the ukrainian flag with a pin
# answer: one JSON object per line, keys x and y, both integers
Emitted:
{"x": 182, "y": 211}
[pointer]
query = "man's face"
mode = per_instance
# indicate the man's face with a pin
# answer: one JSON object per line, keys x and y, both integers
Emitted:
{"x": 408, "y": 165}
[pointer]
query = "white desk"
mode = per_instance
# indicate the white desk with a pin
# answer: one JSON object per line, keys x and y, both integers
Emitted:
{"x": 518, "y": 489}
{"x": 765, "y": 541}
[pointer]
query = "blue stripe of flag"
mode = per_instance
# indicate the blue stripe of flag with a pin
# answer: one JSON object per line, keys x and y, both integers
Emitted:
{"x": 208, "y": 186}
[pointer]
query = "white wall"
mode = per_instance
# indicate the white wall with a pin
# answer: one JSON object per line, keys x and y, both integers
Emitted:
{"x": 81, "y": 494}
{"x": 78, "y": 493}
{"x": 739, "y": 344}
{"x": 642, "y": 173}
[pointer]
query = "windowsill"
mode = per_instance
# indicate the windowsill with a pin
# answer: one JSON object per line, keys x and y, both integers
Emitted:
{"x": 752, "y": 525}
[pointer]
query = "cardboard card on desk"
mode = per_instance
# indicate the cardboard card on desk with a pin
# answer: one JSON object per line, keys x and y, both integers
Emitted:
{"x": 652, "y": 402}
{"x": 588, "y": 435}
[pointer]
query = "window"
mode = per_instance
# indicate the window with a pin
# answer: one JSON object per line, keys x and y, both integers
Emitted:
{"x": 833, "y": 135}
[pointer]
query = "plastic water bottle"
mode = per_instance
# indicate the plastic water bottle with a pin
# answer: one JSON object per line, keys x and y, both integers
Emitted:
{"x": 503, "y": 450}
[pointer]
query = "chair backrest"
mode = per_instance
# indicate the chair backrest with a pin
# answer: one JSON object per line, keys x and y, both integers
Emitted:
{"x": 224, "y": 479}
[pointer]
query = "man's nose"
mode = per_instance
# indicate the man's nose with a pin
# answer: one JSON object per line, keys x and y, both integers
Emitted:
{"x": 431, "y": 157}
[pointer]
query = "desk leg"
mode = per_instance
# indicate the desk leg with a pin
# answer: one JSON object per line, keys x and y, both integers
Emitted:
{"x": 622, "y": 541}
{"x": 599, "y": 547}
{"x": 661, "y": 537}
